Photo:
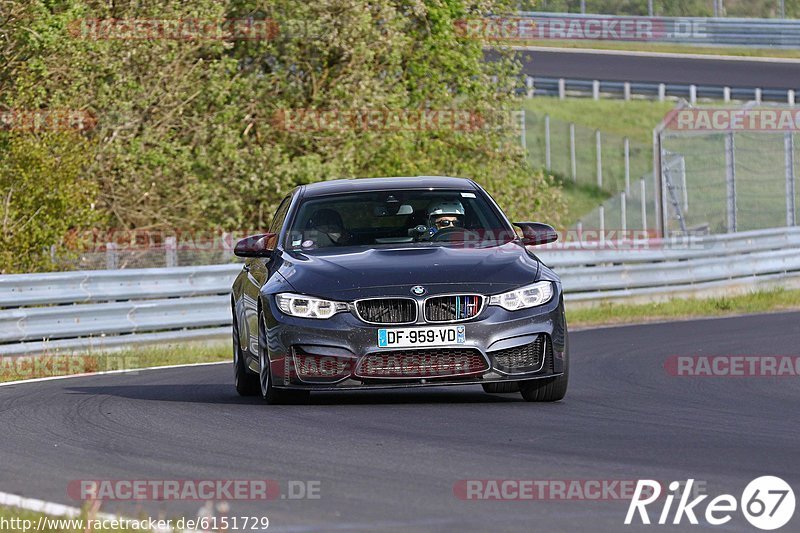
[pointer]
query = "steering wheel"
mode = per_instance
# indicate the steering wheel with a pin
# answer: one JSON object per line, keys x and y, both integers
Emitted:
{"x": 442, "y": 234}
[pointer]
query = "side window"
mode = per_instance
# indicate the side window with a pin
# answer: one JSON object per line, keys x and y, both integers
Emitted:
{"x": 280, "y": 215}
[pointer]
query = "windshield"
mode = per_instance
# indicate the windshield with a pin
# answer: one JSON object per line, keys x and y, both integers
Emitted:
{"x": 409, "y": 217}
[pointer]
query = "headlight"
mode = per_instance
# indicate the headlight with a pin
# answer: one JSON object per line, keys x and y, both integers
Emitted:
{"x": 529, "y": 296}
{"x": 308, "y": 307}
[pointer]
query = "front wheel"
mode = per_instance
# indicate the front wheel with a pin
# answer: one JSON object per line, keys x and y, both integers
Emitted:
{"x": 270, "y": 394}
{"x": 246, "y": 381}
{"x": 546, "y": 390}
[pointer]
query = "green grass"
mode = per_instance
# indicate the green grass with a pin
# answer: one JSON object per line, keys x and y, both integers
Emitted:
{"x": 621, "y": 313}
{"x": 789, "y": 53}
{"x": 27, "y": 367}
{"x": 580, "y": 199}
{"x": 634, "y": 119}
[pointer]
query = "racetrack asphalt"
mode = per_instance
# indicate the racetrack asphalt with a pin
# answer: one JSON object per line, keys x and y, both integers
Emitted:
{"x": 389, "y": 461}
{"x": 655, "y": 69}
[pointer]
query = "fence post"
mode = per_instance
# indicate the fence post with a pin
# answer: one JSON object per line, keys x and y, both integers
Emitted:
{"x": 788, "y": 142}
{"x": 547, "y": 142}
{"x": 599, "y": 148}
{"x": 626, "y": 90}
{"x": 730, "y": 180}
{"x": 758, "y": 95}
{"x": 693, "y": 94}
{"x": 623, "y": 211}
{"x": 111, "y": 256}
{"x": 572, "y": 159}
{"x": 649, "y": 8}
{"x": 602, "y": 226}
{"x": 790, "y": 96}
{"x": 562, "y": 88}
{"x": 596, "y": 89}
{"x": 726, "y": 94}
{"x": 643, "y": 189}
{"x": 662, "y": 92}
{"x": 627, "y": 149}
{"x": 171, "y": 249}
{"x": 530, "y": 86}
{"x": 658, "y": 185}
{"x": 682, "y": 170}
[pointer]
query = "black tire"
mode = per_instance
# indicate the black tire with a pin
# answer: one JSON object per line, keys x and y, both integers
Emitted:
{"x": 269, "y": 393}
{"x": 547, "y": 389}
{"x": 505, "y": 387}
{"x": 246, "y": 381}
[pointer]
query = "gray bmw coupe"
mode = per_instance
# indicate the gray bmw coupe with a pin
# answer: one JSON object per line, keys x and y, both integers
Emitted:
{"x": 397, "y": 282}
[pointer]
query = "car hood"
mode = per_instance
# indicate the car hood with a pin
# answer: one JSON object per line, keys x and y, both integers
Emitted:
{"x": 347, "y": 275}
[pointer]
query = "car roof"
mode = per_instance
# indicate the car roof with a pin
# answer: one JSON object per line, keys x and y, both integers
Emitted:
{"x": 379, "y": 184}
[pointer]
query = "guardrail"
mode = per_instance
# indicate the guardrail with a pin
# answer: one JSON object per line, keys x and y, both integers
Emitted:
{"x": 698, "y": 31}
{"x": 106, "y": 309}
{"x": 564, "y": 87}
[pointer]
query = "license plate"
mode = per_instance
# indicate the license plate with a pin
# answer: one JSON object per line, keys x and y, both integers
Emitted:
{"x": 413, "y": 337}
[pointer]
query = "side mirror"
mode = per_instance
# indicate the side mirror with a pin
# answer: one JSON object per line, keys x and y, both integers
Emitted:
{"x": 535, "y": 233}
{"x": 256, "y": 245}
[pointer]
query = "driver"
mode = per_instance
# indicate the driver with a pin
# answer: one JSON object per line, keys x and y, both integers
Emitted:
{"x": 444, "y": 214}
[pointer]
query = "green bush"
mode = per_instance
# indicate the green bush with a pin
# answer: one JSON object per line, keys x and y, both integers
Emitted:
{"x": 185, "y": 137}
{"x": 46, "y": 196}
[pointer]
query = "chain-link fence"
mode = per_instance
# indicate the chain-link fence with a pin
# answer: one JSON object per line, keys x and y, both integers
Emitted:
{"x": 598, "y": 162}
{"x": 152, "y": 251}
{"x": 727, "y": 176}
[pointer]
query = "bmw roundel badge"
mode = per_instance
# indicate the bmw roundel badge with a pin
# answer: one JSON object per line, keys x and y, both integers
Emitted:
{"x": 419, "y": 290}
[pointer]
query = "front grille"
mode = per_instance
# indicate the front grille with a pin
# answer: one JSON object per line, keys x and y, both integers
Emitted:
{"x": 417, "y": 364}
{"x": 387, "y": 310}
{"x": 453, "y": 308}
{"x": 525, "y": 358}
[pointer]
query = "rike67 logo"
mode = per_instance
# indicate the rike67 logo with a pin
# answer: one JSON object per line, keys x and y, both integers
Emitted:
{"x": 767, "y": 503}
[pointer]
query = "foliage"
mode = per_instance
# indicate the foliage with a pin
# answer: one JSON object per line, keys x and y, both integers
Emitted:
{"x": 185, "y": 136}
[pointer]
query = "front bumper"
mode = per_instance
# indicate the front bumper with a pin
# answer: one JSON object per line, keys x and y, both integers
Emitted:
{"x": 344, "y": 343}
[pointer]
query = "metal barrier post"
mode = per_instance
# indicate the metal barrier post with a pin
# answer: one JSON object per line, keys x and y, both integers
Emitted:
{"x": 788, "y": 142}
{"x": 643, "y": 188}
{"x": 599, "y": 148}
{"x": 171, "y": 249}
{"x": 730, "y": 180}
{"x": 572, "y": 159}
{"x": 111, "y": 256}
{"x": 623, "y": 210}
{"x": 627, "y": 150}
{"x": 547, "y": 142}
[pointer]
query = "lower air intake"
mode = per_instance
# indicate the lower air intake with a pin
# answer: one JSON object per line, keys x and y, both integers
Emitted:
{"x": 418, "y": 364}
{"x": 526, "y": 358}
